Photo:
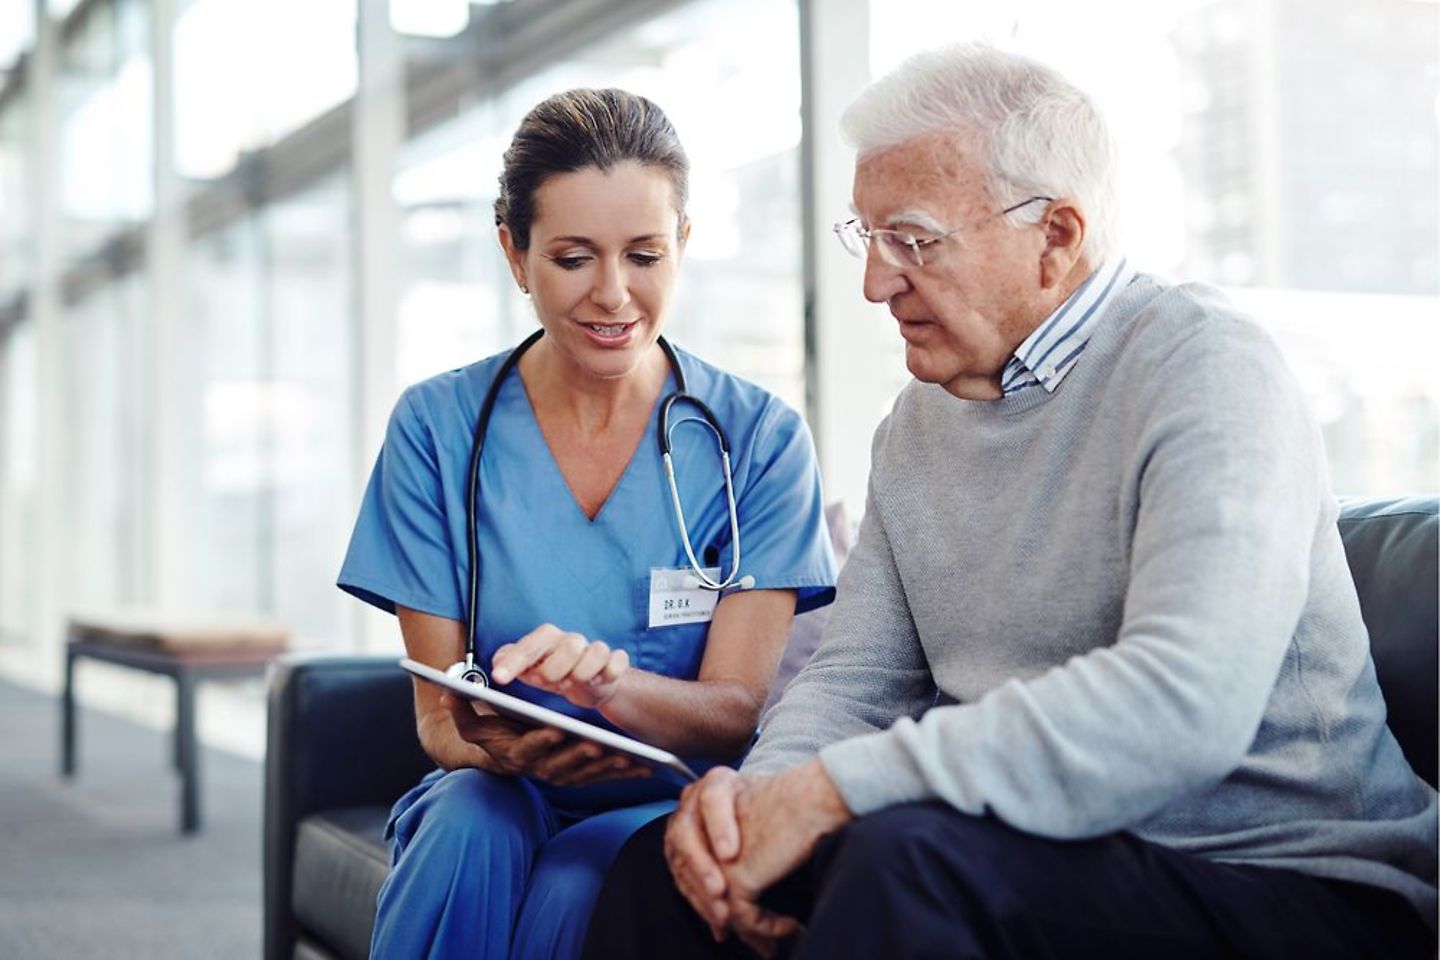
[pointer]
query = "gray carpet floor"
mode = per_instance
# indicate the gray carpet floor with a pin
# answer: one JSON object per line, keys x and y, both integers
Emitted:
{"x": 95, "y": 867}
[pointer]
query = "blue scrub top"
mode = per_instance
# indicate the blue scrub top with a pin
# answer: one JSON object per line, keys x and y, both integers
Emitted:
{"x": 542, "y": 560}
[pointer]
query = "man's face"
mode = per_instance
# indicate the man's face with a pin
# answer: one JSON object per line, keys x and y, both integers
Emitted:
{"x": 980, "y": 292}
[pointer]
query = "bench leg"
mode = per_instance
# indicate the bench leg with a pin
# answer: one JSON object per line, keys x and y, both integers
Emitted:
{"x": 67, "y": 719}
{"x": 187, "y": 758}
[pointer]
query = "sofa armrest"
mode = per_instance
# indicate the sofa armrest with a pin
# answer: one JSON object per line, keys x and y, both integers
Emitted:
{"x": 340, "y": 732}
{"x": 1392, "y": 546}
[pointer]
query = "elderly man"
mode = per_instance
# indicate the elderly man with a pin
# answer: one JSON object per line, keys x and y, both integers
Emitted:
{"x": 1096, "y": 683}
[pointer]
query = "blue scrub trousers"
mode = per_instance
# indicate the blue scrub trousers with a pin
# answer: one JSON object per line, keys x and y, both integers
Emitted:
{"x": 481, "y": 866}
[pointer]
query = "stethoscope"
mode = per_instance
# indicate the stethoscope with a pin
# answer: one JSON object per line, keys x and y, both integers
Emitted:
{"x": 468, "y": 669}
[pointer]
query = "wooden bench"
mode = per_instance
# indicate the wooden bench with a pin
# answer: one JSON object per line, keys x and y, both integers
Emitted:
{"x": 188, "y": 650}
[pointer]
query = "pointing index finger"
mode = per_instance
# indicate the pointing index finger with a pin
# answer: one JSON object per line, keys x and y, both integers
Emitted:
{"x": 513, "y": 659}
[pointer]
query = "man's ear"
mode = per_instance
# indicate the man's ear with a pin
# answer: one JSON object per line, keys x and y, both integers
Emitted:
{"x": 514, "y": 256}
{"x": 1064, "y": 227}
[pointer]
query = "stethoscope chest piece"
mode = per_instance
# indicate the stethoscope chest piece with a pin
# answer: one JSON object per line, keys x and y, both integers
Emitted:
{"x": 462, "y": 670}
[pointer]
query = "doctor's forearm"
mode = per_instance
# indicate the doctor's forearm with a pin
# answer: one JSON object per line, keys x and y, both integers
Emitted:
{"x": 707, "y": 718}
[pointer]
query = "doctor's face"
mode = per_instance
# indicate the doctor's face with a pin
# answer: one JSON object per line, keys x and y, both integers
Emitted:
{"x": 604, "y": 252}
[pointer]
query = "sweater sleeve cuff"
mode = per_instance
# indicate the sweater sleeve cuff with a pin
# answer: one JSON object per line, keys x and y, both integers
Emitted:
{"x": 874, "y": 771}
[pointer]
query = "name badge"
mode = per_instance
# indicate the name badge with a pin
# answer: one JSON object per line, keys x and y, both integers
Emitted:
{"x": 673, "y": 603}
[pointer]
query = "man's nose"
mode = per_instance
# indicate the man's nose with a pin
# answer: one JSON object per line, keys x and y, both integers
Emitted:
{"x": 882, "y": 280}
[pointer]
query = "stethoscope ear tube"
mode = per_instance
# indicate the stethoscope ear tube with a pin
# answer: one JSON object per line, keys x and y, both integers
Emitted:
{"x": 706, "y": 414}
{"x": 468, "y": 669}
{"x": 704, "y": 579}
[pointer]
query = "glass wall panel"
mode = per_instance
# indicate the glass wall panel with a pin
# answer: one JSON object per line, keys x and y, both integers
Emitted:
{"x": 105, "y": 112}
{"x": 17, "y": 30}
{"x": 727, "y": 74}
{"x": 227, "y": 420}
{"x": 456, "y": 301}
{"x": 19, "y": 448}
{"x": 311, "y": 410}
{"x": 271, "y": 428}
{"x": 1283, "y": 149}
{"x": 248, "y": 72}
{"x": 105, "y": 445}
{"x": 15, "y": 208}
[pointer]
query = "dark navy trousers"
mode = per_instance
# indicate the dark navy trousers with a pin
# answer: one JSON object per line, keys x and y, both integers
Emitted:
{"x": 923, "y": 880}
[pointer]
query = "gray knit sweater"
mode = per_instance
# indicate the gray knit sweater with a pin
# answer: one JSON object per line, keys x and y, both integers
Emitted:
{"x": 1129, "y": 607}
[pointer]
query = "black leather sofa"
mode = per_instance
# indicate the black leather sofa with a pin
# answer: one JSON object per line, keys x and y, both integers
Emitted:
{"x": 342, "y": 747}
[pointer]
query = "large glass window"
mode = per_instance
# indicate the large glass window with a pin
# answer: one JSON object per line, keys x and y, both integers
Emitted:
{"x": 105, "y": 446}
{"x": 227, "y": 421}
{"x": 456, "y": 301}
{"x": 17, "y": 30}
{"x": 311, "y": 409}
{"x": 15, "y": 207}
{"x": 727, "y": 74}
{"x": 248, "y": 72}
{"x": 106, "y": 112}
{"x": 271, "y": 429}
{"x": 1285, "y": 150}
{"x": 19, "y": 447}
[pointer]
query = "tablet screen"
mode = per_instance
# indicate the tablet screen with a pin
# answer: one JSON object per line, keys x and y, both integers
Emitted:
{"x": 543, "y": 716}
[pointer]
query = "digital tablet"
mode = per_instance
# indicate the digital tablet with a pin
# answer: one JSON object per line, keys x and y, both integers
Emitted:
{"x": 543, "y": 716}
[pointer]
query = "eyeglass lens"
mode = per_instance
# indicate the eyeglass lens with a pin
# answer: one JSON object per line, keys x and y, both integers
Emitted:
{"x": 896, "y": 248}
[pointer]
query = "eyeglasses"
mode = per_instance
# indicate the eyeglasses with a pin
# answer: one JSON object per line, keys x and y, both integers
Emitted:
{"x": 898, "y": 248}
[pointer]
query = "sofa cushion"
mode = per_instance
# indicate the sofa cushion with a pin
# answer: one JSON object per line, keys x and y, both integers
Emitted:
{"x": 310, "y": 950}
{"x": 806, "y": 630}
{"x": 341, "y": 859}
{"x": 1392, "y": 546}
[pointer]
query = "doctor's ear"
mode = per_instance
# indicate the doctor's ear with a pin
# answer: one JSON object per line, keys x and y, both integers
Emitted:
{"x": 682, "y": 232}
{"x": 514, "y": 256}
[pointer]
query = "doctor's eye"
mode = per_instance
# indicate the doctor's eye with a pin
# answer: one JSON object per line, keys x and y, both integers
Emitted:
{"x": 645, "y": 258}
{"x": 569, "y": 262}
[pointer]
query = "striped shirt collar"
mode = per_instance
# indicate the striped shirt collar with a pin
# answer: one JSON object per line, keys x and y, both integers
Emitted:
{"x": 1050, "y": 352}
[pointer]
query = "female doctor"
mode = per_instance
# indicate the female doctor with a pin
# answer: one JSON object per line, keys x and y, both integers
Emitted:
{"x": 581, "y": 559}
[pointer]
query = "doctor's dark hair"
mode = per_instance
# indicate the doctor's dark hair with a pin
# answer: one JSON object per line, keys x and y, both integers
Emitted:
{"x": 579, "y": 129}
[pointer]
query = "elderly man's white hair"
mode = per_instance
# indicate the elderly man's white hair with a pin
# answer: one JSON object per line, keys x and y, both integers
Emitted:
{"x": 1045, "y": 136}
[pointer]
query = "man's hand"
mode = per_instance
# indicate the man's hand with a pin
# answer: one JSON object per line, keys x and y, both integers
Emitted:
{"x": 703, "y": 832}
{"x": 732, "y": 837}
{"x": 518, "y": 749}
{"x": 582, "y": 671}
{"x": 781, "y": 819}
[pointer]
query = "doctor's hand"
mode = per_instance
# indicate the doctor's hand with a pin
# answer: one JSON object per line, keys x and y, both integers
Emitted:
{"x": 585, "y": 672}
{"x": 517, "y": 749}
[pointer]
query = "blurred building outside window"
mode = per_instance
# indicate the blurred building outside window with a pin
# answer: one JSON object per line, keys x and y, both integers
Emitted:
{"x": 18, "y": 481}
{"x": 15, "y": 229}
{"x": 726, "y": 72}
{"x": 272, "y": 381}
{"x": 1284, "y": 150}
{"x": 17, "y": 30}
{"x": 248, "y": 72}
{"x": 104, "y": 97}
{"x": 311, "y": 409}
{"x": 103, "y": 340}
